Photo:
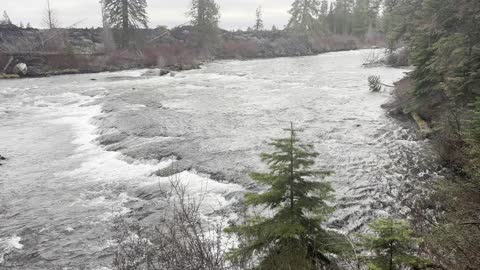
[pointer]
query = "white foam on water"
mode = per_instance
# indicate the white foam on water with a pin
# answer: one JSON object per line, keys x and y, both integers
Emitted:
{"x": 9, "y": 244}
{"x": 210, "y": 194}
{"x": 99, "y": 164}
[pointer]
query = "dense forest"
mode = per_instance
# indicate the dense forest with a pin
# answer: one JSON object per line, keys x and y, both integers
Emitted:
{"x": 443, "y": 39}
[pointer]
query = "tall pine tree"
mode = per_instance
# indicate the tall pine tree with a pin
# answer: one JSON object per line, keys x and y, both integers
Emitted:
{"x": 204, "y": 18}
{"x": 292, "y": 237}
{"x": 258, "y": 19}
{"x": 126, "y": 15}
{"x": 305, "y": 15}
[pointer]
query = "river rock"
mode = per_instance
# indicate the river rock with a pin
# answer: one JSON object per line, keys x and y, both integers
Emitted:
{"x": 20, "y": 69}
{"x": 163, "y": 72}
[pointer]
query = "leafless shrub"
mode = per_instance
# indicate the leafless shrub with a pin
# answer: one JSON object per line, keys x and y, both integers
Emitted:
{"x": 372, "y": 58}
{"x": 397, "y": 58}
{"x": 182, "y": 240}
{"x": 50, "y": 19}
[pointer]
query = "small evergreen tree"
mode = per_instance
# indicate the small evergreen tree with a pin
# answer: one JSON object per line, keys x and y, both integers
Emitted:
{"x": 258, "y": 19}
{"x": 205, "y": 15}
{"x": 305, "y": 14}
{"x": 374, "y": 83}
{"x": 293, "y": 237}
{"x": 392, "y": 244}
{"x": 126, "y": 15}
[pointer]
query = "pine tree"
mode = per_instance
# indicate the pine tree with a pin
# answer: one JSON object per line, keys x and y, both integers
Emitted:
{"x": 258, "y": 19}
{"x": 305, "y": 14}
{"x": 324, "y": 15}
{"x": 293, "y": 237}
{"x": 343, "y": 10}
{"x": 126, "y": 15}
{"x": 360, "y": 17}
{"x": 205, "y": 15}
{"x": 373, "y": 11}
{"x": 324, "y": 8}
{"x": 331, "y": 18}
{"x": 6, "y": 18}
{"x": 392, "y": 244}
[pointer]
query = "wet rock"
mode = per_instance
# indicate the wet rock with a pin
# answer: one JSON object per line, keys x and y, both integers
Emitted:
{"x": 163, "y": 72}
{"x": 152, "y": 72}
{"x": 20, "y": 69}
{"x": 113, "y": 138}
{"x": 2, "y": 158}
{"x": 175, "y": 168}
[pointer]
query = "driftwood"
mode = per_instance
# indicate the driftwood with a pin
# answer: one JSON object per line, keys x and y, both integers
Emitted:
{"x": 425, "y": 129}
{"x": 8, "y": 64}
{"x": 386, "y": 85}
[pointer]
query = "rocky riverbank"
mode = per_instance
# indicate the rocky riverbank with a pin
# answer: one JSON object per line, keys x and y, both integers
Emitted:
{"x": 69, "y": 51}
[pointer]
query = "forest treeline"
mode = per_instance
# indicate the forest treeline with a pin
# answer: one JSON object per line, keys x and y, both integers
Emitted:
{"x": 312, "y": 17}
{"x": 321, "y": 17}
{"x": 443, "y": 38}
{"x": 127, "y": 40}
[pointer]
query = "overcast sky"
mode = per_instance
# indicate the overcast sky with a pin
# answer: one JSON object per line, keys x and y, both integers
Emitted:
{"x": 235, "y": 13}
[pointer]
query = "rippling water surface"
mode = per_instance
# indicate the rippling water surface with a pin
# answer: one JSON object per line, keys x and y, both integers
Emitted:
{"x": 83, "y": 149}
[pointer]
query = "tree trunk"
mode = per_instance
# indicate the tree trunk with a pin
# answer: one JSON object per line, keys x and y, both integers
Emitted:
{"x": 125, "y": 24}
{"x": 291, "y": 166}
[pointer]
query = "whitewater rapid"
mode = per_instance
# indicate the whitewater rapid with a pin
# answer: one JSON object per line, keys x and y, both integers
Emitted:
{"x": 83, "y": 149}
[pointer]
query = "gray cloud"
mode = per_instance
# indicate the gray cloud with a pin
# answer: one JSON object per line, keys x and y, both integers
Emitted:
{"x": 235, "y": 13}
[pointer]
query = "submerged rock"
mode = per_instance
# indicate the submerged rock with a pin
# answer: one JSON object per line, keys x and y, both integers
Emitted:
{"x": 2, "y": 157}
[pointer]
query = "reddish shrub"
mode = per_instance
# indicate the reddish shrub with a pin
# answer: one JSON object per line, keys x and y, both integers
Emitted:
{"x": 169, "y": 55}
{"x": 240, "y": 48}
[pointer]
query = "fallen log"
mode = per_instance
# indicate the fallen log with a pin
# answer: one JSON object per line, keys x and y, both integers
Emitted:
{"x": 423, "y": 126}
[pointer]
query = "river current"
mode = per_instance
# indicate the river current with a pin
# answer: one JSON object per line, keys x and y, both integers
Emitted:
{"x": 83, "y": 149}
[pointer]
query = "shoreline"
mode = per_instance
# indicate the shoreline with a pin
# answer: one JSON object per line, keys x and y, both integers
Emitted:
{"x": 167, "y": 69}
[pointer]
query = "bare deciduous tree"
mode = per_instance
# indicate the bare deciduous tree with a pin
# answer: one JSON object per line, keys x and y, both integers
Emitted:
{"x": 50, "y": 18}
{"x": 182, "y": 240}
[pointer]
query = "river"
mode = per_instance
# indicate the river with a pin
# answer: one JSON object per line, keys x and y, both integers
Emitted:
{"x": 83, "y": 149}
